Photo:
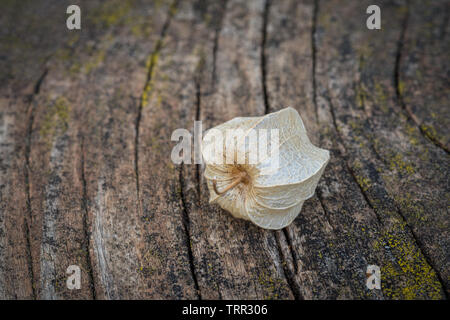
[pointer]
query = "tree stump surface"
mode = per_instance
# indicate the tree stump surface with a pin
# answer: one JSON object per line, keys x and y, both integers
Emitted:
{"x": 86, "y": 118}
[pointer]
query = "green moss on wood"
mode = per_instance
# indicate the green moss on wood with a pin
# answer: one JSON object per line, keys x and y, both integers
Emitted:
{"x": 273, "y": 287}
{"x": 409, "y": 276}
{"x": 111, "y": 13}
{"x": 56, "y": 120}
{"x": 396, "y": 163}
{"x": 363, "y": 182}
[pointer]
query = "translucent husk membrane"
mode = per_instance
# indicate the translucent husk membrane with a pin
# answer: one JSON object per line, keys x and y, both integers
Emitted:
{"x": 270, "y": 199}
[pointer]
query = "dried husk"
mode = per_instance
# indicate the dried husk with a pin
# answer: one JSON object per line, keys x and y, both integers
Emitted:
{"x": 271, "y": 201}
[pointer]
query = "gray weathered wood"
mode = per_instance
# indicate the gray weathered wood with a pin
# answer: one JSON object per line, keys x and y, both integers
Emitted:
{"x": 86, "y": 177}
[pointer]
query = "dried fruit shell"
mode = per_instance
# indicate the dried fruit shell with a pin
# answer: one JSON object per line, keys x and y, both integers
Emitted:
{"x": 270, "y": 200}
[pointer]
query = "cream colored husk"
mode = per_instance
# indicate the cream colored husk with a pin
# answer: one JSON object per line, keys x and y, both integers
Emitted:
{"x": 271, "y": 201}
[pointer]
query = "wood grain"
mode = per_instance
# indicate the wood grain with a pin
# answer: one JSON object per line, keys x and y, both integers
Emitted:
{"x": 86, "y": 176}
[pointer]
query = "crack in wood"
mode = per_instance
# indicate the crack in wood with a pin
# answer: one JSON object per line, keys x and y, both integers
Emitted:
{"x": 217, "y": 31}
{"x": 410, "y": 114}
{"x": 291, "y": 249}
{"x": 264, "y": 56}
{"x": 147, "y": 86}
{"x": 425, "y": 255}
{"x": 187, "y": 230}
{"x": 288, "y": 274}
{"x": 29, "y": 218}
{"x": 314, "y": 56}
{"x": 345, "y": 157}
{"x": 322, "y": 204}
{"x": 87, "y": 235}
{"x": 369, "y": 203}
{"x": 198, "y": 111}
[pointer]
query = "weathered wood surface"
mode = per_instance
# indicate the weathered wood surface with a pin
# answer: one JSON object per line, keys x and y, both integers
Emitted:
{"x": 86, "y": 119}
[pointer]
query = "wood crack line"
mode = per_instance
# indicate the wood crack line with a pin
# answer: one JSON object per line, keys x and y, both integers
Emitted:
{"x": 410, "y": 114}
{"x": 198, "y": 112}
{"x": 364, "y": 194}
{"x": 345, "y": 159}
{"x": 288, "y": 274}
{"x": 264, "y": 57}
{"x": 425, "y": 255}
{"x": 87, "y": 235}
{"x": 425, "y": 133}
{"x": 29, "y": 217}
{"x": 187, "y": 230}
{"x": 217, "y": 31}
{"x": 151, "y": 62}
{"x": 314, "y": 56}
{"x": 291, "y": 249}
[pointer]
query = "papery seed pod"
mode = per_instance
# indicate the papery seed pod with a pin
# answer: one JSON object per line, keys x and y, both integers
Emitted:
{"x": 270, "y": 190}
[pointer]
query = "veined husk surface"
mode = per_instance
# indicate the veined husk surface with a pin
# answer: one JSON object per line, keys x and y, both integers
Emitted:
{"x": 270, "y": 199}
